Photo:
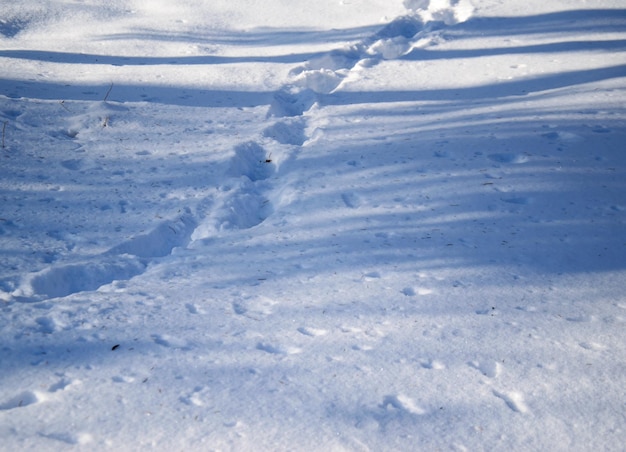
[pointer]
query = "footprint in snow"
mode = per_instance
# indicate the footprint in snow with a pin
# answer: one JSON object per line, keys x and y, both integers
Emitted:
{"x": 244, "y": 209}
{"x": 71, "y": 438}
{"x": 403, "y": 402}
{"x": 246, "y": 206}
{"x": 486, "y": 311}
{"x": 289, "y": 131}
{"x": 251, "y": 160}
{"x": 192, "y": 308}
{"x": 450, "y": 12}
{"x": 292, "y": 101}
{"x": 404, "y": 26}
{"x": 323, "y": 74}
{"x": 254, "y": 307}
{"x": 278, "y": 349}
{"x": 313, "y": 332}
{"x": 394, "y": 408}
{"x": 511, "y": 158}
{"x": 123, "y": 379}
{"x": 197, "y": 397}
{"x": 351, "y": 200}
{"x": 26, "y": 398}
{"x": 593, "y": 346}
{"x": 601, "y": 129}
{"x": 320, "y": 81}
{"x": 63, "y": 385}
{"x": 433, "y": 364}
{"x": 73, "y": 164}
{"x": 121, "y": 262}
{"x": 167, "y": 340}
{"x": 48, "y": 325}
{"x": 23, "y": 399}
{"x": 371, "y": 276}
{"x": 362, "y": 348}
{"x": 490, "y": 369}
{"x": 562, "y": 136}
{"x": 514, "y": 400}
{"x": 582, "y": 318}
{"x": 413, "y": 291}
{"x": 68, "y": 279}
{"x": 401, "y": 405}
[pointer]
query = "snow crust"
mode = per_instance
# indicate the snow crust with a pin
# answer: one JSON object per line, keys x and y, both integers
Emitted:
{"x": 332, "y": 225}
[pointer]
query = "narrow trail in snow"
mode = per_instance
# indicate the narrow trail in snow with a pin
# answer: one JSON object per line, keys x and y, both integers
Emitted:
{"x": 252, "y": 174}
{"x": 318, "y": 78}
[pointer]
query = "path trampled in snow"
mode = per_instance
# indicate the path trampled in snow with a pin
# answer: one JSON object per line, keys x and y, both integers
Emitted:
{"x": 347, "y": 235}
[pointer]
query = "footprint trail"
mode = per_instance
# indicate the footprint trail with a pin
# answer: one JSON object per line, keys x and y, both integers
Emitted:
{"x": 244, "y": 200}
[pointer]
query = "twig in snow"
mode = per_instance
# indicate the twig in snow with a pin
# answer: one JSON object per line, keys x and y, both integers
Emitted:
{"x": 106, "y": 96}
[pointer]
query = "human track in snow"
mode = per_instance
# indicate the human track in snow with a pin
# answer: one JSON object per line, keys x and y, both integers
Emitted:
{"x": 124, "y": 261}
{"x": 244, "y": 201}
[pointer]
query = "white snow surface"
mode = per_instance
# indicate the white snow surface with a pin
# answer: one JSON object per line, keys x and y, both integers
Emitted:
{"x": 355, "y": 225}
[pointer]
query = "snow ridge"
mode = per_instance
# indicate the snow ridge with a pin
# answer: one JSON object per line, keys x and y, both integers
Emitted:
{"x": 121, "y": 262}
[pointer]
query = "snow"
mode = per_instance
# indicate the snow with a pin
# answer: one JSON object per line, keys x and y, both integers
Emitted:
{"x": 341, "y": 225}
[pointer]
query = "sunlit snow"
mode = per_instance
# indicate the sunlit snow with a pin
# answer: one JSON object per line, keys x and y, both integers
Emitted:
{"x": 335, "y": 225}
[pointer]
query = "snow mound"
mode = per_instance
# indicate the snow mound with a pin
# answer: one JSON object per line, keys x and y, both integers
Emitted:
{"x": 121, "y": 262}
{"x": 68, "y": 279}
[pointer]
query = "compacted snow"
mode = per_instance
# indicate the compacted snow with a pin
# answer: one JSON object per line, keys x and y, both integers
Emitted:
{"x": 332, "y": 225}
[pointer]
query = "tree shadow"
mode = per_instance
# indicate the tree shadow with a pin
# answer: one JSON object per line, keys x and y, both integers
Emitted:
{"x": 519, "y": 230}
{"x": 141, "y": 92}
{"x": 514, "y": 88}
{"x": 265, "y": 37}
{"x": 554, "y": 24}
{"x": 103, "y": 59}
{"x": 518, "y": 189}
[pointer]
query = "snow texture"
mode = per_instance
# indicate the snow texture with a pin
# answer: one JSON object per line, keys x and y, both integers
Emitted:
{"x": 335, "y": 225}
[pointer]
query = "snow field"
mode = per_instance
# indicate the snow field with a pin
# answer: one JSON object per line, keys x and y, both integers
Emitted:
{"x": 371, "y": 252}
